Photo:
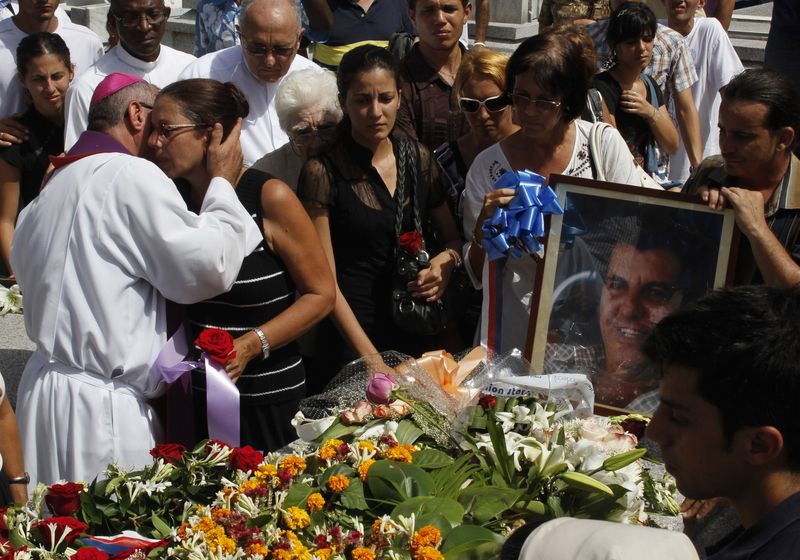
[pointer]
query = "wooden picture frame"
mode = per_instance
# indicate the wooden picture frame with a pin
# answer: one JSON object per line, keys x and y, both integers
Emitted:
{"x": 619, "y": 259}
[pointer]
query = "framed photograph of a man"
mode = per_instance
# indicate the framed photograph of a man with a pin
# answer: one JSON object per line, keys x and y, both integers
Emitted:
{"x": 616, "y": 262}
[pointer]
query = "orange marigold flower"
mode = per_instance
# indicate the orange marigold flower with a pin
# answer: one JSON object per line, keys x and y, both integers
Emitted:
{"x": 182, "y": 530}
{"x": 296, "y": 518}
{"x": 366, "y": 444}
{"x": 363, "y": 469}
{"x": 338, "y": 483}
{"x": 323, "y": 553}
{"x": 256, "y": 548}
{"x": 293, "y": 464}
{"x": 427, "y": 553}
{"x": 329, "y": 449}
{"x": 362, "y": 553}
{"x": 266, "y": 472}
{"x": 249, "y": 485}
{"x": 281, "y": 554}
{"x": 216, "y": 539}
{"x": 315, "y": 502}
{"x": 205, "y": 524}
{"x": 216, "y": 513}
{"x": 401, "y": 453}
{"x": 426, "y": 536}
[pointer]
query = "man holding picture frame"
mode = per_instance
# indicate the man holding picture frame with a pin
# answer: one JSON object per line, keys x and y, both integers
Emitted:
{"x": 757, "y": 175}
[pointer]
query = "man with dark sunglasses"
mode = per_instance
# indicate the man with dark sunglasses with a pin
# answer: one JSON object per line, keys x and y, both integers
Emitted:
{"x": 270, "y": 34}
{"x": 429, "y": 110}
{"x": 140, "y": 26}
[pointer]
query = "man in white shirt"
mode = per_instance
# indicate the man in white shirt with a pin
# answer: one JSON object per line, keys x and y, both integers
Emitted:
{"x": 140, "y": 25}
{"x": 36, "y": 16}
{"x": 270, "y": 32}
{"x": 97, "y": 254}
{"x": 10, "y": 8}
{"x": 716, "y": 63}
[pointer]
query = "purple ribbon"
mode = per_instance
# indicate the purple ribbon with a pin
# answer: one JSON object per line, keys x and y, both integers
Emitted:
{"x": 222, "y": 395}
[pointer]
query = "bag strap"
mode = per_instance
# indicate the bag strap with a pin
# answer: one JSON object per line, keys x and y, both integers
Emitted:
{"x": 407, "y": 181}
{"x": 596, "y": 149}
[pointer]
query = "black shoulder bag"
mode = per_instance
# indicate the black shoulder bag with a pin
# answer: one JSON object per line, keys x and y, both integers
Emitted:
{"x": 413, "y": 315}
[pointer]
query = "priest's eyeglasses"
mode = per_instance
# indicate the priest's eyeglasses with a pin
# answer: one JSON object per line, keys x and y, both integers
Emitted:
{"x": 278, "y": 51}
{"x": 493, "y": 104}
{"x": 165, "y": 130}
{"x": 132, "y": 19}
{"x": 523, "y": 102}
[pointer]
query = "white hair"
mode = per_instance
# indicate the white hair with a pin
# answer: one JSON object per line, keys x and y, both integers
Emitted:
{"x": 306, "y": 89}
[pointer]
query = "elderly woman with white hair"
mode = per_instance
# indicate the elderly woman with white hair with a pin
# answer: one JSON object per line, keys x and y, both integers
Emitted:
{"x": 308, "y": 111}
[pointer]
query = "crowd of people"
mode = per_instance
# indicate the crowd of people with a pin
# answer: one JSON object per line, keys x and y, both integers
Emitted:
{"x": 329, "y": 207}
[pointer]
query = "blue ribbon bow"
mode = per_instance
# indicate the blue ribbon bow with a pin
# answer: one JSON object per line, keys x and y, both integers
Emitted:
{"x": 514, "y": 230}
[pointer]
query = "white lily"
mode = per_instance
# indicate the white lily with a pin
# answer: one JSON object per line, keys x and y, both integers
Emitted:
{"x": 10, "y": 300}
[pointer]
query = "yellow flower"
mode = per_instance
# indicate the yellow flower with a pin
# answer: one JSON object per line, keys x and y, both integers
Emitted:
{"x": 426, "y": 536}
{"x": 266, "y": 472}
{"x": 362, "y": 553}
{"x": 329, "y": 449}
{"x": 216, "y": 539}
{"x": 216, "y": 513}
{"x": 281, "y": 554}
{"x": 401, "y": 453}
{"x": 205, "y": 524}
{"x": 294, "y": 464}
{"x": 256, "y": 548}
{"x": 296, "y": 518}
{"x": 427, "y": 553}
{"x": 323, "y": 553}
{"x": 389, "y": 529}
{"x": 249, "y": 484}
{"x": 363, "y": 469}
{"x": 315, "y": 502}
{"x": 366, "y": 444}
{"x": 338, "y": 483}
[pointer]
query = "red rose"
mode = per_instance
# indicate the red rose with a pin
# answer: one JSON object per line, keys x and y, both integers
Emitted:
{"x": 246, "y": 458}
{"x": 169, "y": 452}
{"x": 217, "y": 344}
{"x": 64, "y": 499}
{"x": 635, "y": 427}
{"x": 487, "y": 401}
{"x": 89, "y": 554}
{"x": 68, "y": 527}
{"x": 411, "y": 242}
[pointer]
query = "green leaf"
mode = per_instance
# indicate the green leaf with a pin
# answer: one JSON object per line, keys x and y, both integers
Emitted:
{"x": 431, "y": 459}
{"x": 160, "y": 526}
{"x": 353, "y": 496}
{"x": 422, "y": 506}
{"x": 395, "y": 482}
{"x": 407, "y": 432}
{"x": 468, "y": 541}
{"x": 623, "y": 459}
{"x": 581, "y": 481}
{"x": 298, "y": 495}
{"x": 501, "y": 451}
{"x": 537, "y": 508}
{"x": 487, "y": 502}
{"x": 337, "y": 430}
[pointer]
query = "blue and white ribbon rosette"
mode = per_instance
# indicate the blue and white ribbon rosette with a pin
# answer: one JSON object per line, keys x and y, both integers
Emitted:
{"x": 513, "y": 230}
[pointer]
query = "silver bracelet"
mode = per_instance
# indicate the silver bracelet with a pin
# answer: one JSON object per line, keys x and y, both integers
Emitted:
{"x": 264, "y": 344}
{"x": 24, "y": 479}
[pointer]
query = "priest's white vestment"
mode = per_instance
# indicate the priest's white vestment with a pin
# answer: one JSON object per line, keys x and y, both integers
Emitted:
{"x": 96, "y": 254}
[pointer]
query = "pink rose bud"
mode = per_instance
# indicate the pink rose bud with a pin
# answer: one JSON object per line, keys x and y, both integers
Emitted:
{"x": 349, "y": 418}
{"x": 362, "y": 410}
{"x": 379, "y": 390}
{"x": 399, "y": 408}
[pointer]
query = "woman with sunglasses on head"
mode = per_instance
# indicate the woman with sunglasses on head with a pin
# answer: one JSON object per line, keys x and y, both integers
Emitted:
{"x": 480, "y": 86}
{"x": 351, "y": 192}
{"x": 45, "y": 70}
{"x": 547, "y": 83}
{"x": 633, "y": 99}
{"x": 261, "y": 311}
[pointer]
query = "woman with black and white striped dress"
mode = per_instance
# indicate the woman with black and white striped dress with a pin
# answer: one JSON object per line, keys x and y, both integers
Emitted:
{"x": 283, "y": 288}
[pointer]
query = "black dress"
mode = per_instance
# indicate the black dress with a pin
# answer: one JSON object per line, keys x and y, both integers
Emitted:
{"x": 361, "y": 217}
{"x": 269, "y": 389}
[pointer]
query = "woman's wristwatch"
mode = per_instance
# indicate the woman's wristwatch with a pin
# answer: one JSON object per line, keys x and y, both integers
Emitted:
{"x": 24, "y": 479}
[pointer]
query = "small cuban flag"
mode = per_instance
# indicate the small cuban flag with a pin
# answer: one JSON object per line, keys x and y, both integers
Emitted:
{"x": 127, "y": 540}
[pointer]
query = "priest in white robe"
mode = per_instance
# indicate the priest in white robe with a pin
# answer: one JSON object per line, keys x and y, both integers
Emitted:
{"x": 96, "y": 254}
{"x": 140, "y": 27}
{"x": 85, "y": 47}
{"x": 270, "y": 31}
